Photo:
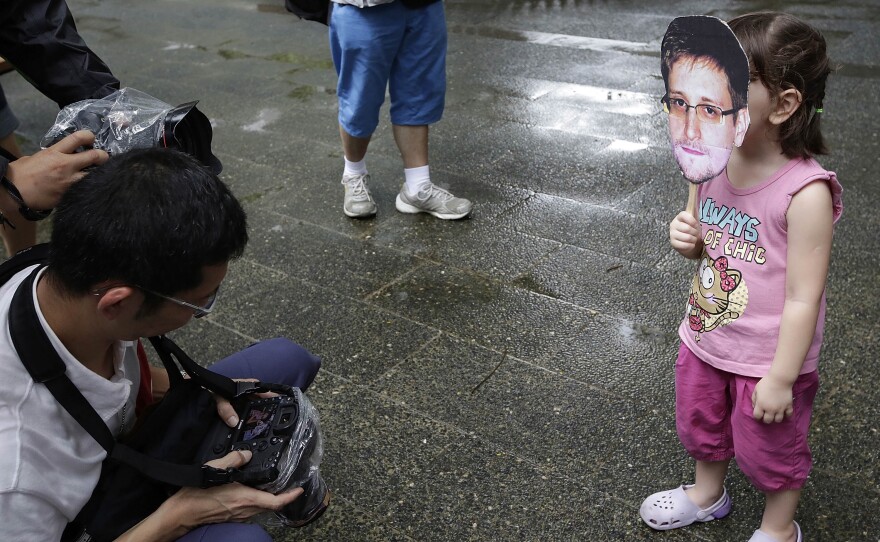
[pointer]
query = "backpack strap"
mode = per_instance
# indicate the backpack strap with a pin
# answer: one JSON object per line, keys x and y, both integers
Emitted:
{"x": 45, "y": 366}
{"x": 225, "y": 387}
{"x": 22, "y": 260}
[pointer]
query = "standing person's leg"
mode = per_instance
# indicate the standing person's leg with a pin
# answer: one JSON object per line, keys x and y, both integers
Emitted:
{"x": 702, "y": 419}
{"x": 363, "y": 42}
{"x": 776, "y": 457}
{"x": 417, "y": 85}
{"x": 278, "y": 360}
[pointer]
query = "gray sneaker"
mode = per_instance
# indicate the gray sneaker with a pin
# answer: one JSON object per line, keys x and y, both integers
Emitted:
{"x": 433, "y": 200}
{"x": 358, "y": 202}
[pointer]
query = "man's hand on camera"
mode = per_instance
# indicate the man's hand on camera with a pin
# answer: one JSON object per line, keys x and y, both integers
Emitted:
{"x": 232, "y": 502}
{"x": 42, "y": 178}
{"x": 225, "y": 409}
{"x": 191, "y": 507}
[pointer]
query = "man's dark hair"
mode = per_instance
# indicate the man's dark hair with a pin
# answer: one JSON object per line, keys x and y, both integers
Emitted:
{"x": 151, "y": 218}
{"x": 706, "y": 38}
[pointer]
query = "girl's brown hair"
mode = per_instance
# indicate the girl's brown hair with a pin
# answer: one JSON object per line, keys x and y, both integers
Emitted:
{"x": 787, "y": 53}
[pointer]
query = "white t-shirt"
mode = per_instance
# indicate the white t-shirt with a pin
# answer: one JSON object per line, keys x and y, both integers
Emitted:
{"x": 49, "y": 465}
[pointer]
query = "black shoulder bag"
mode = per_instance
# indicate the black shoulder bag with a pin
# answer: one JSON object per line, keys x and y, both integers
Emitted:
{"x": 310, "y": 10}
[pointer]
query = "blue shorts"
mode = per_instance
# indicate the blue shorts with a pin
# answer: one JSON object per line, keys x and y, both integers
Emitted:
{"x": 393, "y": 46}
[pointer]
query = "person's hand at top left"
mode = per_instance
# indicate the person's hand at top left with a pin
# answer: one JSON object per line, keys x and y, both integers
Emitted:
{"x": 43, "y": 177}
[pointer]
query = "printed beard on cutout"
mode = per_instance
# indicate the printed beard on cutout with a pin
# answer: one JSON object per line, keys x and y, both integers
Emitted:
{"x": 700, "y": 163}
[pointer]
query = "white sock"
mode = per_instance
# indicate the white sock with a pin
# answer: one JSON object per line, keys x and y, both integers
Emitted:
{"x": 417, "y": 178}
{"x": 355, "y": 168}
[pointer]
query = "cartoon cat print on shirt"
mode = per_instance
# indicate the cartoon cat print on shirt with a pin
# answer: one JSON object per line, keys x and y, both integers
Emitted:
{"x": 718, "y": 296}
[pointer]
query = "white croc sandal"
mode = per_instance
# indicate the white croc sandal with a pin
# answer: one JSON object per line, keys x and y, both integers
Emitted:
{"x": 673, "y": 509}
{"x": 761, "y": 536}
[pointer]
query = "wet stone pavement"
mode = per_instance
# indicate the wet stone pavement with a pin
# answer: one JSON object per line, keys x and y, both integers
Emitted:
{"x": 508, "y": 376}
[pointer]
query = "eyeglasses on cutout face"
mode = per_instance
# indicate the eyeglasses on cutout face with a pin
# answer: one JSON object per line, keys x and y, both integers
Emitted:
{"x": 198, "y": 312}
{"x": 707, "y": 114}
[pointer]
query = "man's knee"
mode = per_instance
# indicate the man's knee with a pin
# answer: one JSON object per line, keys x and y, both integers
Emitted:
{"x": 301, "y": 365}
{"x": 277, "y": 360}
{"x": 240, "y": 532}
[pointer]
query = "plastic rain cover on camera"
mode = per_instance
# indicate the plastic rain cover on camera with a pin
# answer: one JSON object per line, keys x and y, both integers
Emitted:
{"x": 299, "y": 462}
{"x": 127, "y": 119}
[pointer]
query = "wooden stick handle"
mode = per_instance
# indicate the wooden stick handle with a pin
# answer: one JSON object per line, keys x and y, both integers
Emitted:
{"x": 692, "y": 200}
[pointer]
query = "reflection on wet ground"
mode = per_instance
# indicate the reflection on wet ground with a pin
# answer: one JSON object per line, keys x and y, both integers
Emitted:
{"x": 510, "y": 376}
{"x": 558, "y": 40}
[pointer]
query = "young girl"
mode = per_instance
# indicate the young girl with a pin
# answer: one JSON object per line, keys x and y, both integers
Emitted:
{"x": 746, "y": 372}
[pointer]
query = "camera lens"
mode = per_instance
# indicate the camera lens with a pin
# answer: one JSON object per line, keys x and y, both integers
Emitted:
{"x": 309, "y": 506}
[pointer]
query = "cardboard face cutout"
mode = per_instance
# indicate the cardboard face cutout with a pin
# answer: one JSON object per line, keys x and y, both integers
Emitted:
{"x": 706, "y": 75}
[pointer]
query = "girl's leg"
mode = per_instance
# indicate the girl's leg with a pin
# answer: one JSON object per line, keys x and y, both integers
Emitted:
{"x": 709, "y": 483}
{"x": 779, "y": 510}
{"x": 702, "y": 418}
{"x": 776, "y": 457}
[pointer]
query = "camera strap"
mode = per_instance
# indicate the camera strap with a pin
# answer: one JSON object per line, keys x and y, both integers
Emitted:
{"x": 45, "y": 366}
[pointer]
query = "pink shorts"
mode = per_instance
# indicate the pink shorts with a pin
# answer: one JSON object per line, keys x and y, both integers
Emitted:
{"x": 713, "y": 415}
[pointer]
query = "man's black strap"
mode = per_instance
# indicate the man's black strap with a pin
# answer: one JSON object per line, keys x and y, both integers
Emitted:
{"x": 22, "y": 260}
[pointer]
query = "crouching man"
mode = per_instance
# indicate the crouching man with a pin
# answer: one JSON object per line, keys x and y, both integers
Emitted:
{"x": 139, "y": 247}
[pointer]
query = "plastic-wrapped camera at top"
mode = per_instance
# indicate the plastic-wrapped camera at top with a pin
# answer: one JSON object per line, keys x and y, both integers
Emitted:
{"x": 130, "y": 119}
{"x": 284, "y": 436}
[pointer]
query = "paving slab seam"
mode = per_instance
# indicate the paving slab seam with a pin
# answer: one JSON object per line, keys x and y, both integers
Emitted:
{"x": 396, "y": 280}
{"x": 412, "y": 354}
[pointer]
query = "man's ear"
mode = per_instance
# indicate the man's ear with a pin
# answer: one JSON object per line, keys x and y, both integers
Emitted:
{"x": 741, "y": 126}
{"x": 786, "y": 103}
{"x": 117, "y": 300}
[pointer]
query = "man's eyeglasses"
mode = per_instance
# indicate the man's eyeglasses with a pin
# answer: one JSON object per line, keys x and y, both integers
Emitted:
{"x": 198, "y": 312}
{"x": 709, "y": 114}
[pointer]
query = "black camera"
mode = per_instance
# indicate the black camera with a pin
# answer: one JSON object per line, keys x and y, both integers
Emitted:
{"x": 283, "y": 434}
{"x": 130, "y": 119}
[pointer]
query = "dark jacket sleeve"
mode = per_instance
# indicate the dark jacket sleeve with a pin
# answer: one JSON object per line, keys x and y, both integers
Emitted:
{"x": 40, "y": 39}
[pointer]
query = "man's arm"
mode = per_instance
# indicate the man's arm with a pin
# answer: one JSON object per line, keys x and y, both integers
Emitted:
{"x": 40, "y": 39}
{"x": 41, "y": 179}
{"x": 191, "y": 507}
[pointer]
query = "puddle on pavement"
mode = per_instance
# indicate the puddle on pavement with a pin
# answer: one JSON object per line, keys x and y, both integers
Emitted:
{"x": 635, "y": 331}
{"x": 271, "y": 8}
{"x": 173, "y": 46}
{"x": 607, "y": 99}
{"x": 264, "y": 118}
{"x": 529, "y": 282}
{"x": 559, "y": 40}
{"x": 305, "y": 92}
{"x": 303, "y": 61}
{"x": 231, "y": 54}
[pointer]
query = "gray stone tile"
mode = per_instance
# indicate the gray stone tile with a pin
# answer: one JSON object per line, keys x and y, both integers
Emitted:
{"x": 590, "y": 226}
{"x": 349, "y": 267}
{"x": 353, "y": 340}
{"x": 595, "y": 281}
{"x": 475, "y": 308}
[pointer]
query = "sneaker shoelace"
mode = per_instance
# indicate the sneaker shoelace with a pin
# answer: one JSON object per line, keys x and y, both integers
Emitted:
{"x": 358, "y": 187}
